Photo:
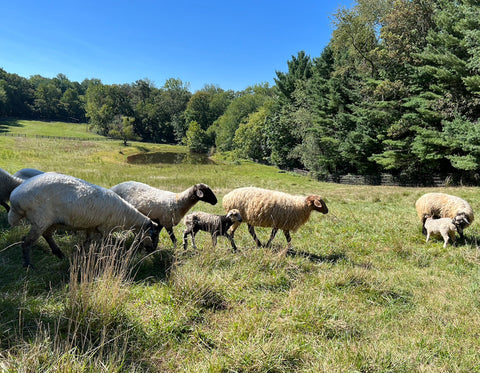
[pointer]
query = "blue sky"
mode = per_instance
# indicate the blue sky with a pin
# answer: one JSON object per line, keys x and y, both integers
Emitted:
{"x": 232, "y": 44}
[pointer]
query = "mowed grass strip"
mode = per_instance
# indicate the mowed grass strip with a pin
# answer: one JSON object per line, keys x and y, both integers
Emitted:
{"x": 359, "y": 291}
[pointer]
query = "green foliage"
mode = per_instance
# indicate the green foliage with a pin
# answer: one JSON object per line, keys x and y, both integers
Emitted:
{"x": 197, "y": 139}
{"x": 359, "y": 291}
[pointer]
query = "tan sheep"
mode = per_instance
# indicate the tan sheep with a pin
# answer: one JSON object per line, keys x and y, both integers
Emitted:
{"x": 441, "y": 205}
{"x": 270, "y": 208}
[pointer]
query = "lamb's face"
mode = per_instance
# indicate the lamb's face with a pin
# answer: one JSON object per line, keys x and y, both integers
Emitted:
{"x": 317, "y": 204}
{"x": 235, "y": 215}
{"x": 205, "y": 194}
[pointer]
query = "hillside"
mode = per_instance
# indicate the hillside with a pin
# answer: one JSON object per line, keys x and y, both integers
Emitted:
{"x": 360, "y": 291}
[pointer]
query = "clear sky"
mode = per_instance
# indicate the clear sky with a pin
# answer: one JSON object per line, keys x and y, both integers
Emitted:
{"x": 232, "y": 44}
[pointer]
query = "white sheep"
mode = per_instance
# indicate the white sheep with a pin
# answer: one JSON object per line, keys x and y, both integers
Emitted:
{"x": 27, "y": 173}
{"x": 165, "y": 208}
{"x": 444, "y": 227}
{"x": 216, "y": 225}
{"x": 8, "y": 183}
{"x": 441, "y": 205}
{"x": 270, "y": 208}
{"x": 50, "y": 200}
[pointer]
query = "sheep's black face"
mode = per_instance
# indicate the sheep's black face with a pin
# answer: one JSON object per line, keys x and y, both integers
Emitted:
{"x": 153, "y": 232}
{"x": 461, "y": 220}
{"x": 205, "y": 194}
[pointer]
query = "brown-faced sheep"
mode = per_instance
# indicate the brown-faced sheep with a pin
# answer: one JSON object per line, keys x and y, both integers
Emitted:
{"x": 164, "y": 207}
{"x": 444, "y": 227}
{"x": 8, "y": 183}
{"x": 270, "y": 208}
{"x": 441, "y": 205}
{"x": 216, "y": 225}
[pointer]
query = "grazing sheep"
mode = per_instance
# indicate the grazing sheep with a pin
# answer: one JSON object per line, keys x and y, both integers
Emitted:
{"x": 8, "y": 183}
{"x": 216, "y": 225}
{"x": 50, "y": 200}
{"x": 441, "y": 205}
{"x": 27, "y": 173}
{"x": 269, "y": 208}
{"x": 165, "y": 208}
{"x": 444, "y": 227}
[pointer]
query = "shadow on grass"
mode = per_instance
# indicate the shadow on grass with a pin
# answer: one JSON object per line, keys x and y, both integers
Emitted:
{"x": 154, "y": 267}
{"x": 328, "y": 258}
{"x": 5, "y": 123}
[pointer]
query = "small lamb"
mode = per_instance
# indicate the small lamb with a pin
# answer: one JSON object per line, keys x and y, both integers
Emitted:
{"x": 444, "y": 227}
{"x": 216, "y": 225}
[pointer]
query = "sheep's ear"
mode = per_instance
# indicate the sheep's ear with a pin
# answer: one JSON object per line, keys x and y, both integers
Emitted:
{"x": 199, "y": 193}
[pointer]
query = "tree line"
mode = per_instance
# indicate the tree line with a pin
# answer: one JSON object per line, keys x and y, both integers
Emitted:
{"x": 396, "y": 90}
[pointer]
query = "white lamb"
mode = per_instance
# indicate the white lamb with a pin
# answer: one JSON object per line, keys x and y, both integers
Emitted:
{"x": 441, "y": 205}
{"x": 8, "y": 183}
{"x": 50, "y": 201}
{"x": 164, "y": 207}
{"x": 444, "y": 227}
{"x": 270, "y": 208}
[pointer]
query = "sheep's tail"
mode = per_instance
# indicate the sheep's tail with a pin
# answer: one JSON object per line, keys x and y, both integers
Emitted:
{"x": 14, "y": 216}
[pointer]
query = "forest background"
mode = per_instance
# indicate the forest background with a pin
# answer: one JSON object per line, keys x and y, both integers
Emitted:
{"x": 397, "y": 90}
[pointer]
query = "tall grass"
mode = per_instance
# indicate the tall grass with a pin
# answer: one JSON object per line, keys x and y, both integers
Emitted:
{"x": 360, "y": 291}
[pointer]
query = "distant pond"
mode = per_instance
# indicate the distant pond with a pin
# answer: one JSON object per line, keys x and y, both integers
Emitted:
{"x": 169, "y": 158}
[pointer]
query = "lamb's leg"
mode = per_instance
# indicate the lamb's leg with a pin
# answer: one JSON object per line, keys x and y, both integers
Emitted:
{"x": 445, "y": 239}
{"x": 53, "y": 245}
{"x": 186, "y": 232}
{"x": 428, "y": 236}
{"x": 172, "y": 236}
{"x": 272, "y": 236}
{"x": 230, "y": 238}
{"x": 32, "y": 236}
{"x": 193, "y": 239}
{"x": 4, "y": 204}
{"x": 214, "y": 239}
{"x": 251, "y": 230}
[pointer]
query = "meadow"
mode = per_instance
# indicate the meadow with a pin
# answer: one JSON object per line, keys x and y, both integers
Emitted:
{"x": 360, "y": 291}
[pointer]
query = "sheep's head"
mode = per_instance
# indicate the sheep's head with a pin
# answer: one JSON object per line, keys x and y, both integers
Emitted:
{"x": 317, "y": 203}
{"x": 461, "y": 220}
{"x": 204, "y": 193}
{"x": 235, "y": 215}
{"x": 151, "y": 240}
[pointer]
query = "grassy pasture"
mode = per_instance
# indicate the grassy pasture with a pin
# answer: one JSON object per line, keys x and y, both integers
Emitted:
{"x": 360, "y": 292}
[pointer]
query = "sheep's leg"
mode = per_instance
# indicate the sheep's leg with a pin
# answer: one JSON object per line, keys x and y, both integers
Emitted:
{"x": 288, "y": 237}
{"x": 172, "y": 236}
{"x": 460, "y": 232}
{"x": 251, "y": 230}
{"x": 214, "y": 239}
{"x": 4, "y": 204}
{"x": 272, "y": 236}
{"x": 53, "y": 245}
{"x": 428, "y": 237}
{"x": 32, "y": 236}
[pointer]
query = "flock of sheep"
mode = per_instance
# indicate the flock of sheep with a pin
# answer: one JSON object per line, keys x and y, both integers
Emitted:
{"x": 50, "y": 200}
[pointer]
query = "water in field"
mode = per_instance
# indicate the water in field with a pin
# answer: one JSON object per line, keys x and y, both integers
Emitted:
{"x": 169, "y": 158}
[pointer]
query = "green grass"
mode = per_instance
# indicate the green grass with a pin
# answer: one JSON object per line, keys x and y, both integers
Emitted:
{"x": 361, "y": 292}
